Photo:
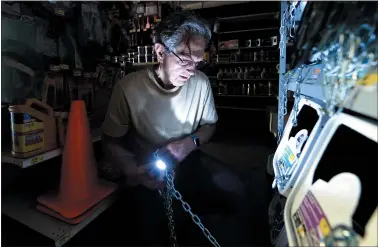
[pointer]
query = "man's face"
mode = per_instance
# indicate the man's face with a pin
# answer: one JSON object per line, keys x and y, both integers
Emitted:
{"x": 178, "y": 69}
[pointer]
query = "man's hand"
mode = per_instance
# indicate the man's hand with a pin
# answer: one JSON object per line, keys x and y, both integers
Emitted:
{"x": 150, "y": 181}
{"x": 179, "y": 150}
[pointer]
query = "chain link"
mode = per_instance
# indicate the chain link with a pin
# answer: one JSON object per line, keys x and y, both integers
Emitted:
{"x": 283, "y": 92}
{"x": 283, "y": 109}
{"x": 176, "y": 194}
{"x": 297, "y": 95}
{"x": 287, "y": 26}
{"x": 167, "y": 195}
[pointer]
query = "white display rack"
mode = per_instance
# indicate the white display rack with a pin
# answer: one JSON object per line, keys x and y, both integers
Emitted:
{"x": 21, "y": 206}
{"x": 6, "y": 157}
{"x": 305, "y": 181}
{"x": 312, "y": 138}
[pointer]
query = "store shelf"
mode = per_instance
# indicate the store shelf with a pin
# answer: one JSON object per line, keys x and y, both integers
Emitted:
{"x": 248, "y": 48}
{"x": 21, "y": 206}
{"x": 6, "y": 157}
{"x": 251, "y": 30}
{"x": 246, "y": 62}
{"x": 249, "y": 17}
{"x": 240, "y": 108}
{"x": 271, "y": 79}
{"x": 246, "y": 96}
{"x": 145, "y": 64}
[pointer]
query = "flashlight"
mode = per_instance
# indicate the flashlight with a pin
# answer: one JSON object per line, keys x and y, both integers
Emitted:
{"x": 160, "y": 165}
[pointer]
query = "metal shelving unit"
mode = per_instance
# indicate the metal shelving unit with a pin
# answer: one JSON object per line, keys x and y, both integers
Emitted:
{"x": 248, "y": 48}
{"x": 249, "y": 17}
{"x": 251, "y": 30}
{"x": 246, "y": 62}
{"x": 20, "y": 205}
{"x": 262, "y": 63}
{"x": 312, "y": 81}
{"x": 144, "y": 64}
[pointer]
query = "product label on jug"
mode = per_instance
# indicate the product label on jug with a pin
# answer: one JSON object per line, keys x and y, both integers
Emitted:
{"x": 27, "y": 133}
{"x": 310, "y": 222}
{"x": 287, "y": 160}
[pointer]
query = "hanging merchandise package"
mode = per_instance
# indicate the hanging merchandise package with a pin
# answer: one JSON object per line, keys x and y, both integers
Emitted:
{"x": 90, "y": 27}
{"x": 292, "y": 151}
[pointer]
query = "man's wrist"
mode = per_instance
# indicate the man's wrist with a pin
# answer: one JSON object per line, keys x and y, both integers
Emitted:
{"x": 196, "y": 140}
{"x": 191, "y": 145}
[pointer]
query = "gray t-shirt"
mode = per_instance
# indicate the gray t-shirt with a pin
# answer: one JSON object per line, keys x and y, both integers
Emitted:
{"x": 151, "y": 116}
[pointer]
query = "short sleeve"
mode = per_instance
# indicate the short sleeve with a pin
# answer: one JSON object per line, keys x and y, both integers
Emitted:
{"x": 209, "y": 115}
{"x": 117, "y": 118}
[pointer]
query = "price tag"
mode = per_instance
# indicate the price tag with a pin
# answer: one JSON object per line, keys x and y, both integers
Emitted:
{"x": 37, "y": 159}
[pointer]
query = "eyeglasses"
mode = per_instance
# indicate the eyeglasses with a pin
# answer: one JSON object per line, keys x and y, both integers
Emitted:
{"x": 198, "y": 65}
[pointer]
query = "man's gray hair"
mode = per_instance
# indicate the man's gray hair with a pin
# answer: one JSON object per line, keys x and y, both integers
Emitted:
{"x": 179, "y": 27}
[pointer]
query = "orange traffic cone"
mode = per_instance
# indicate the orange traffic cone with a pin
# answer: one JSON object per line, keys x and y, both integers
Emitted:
{"x": 80, "y": 188}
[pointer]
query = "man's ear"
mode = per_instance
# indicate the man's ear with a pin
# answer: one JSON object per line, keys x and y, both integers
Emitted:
{"x": 160, "y": 51}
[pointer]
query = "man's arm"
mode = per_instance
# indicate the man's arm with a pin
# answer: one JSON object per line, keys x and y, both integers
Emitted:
{"x": 115, "y": 127}
{"x": 117, "y": 154}
{"x": 205, "y": 132}
{"x": 209, "y": 117}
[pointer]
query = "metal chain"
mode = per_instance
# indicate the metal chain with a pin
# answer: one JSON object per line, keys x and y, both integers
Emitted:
{"x": 282, "y": 94}
{"x": 283, "y": 109}
{"x": 278, "y": 222}
{"x": 292, "y": 19}
{"x": 283, "y": 32}
{"x": 167, "y": 195}
{"x": 297, "y": 95}
{"x": 173, "y": 192}
{"x": 341, "y": 235}
{"x": 347, "y": 59}
{"x": 287, "y": 23}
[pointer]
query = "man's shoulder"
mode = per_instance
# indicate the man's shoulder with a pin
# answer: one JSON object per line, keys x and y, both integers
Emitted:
{"x": 132, "y": 79}
{"x": 201, "y": 78}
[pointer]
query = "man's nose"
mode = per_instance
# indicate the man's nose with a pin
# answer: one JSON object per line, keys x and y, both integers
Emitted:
{"x": 191, "y": 69}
